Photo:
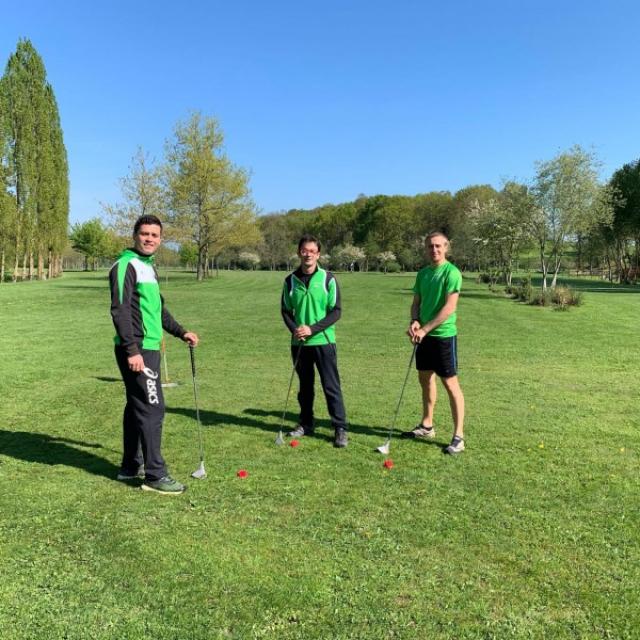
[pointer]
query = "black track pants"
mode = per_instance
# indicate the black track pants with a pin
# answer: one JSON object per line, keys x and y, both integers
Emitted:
{"x": 325, "y": 358}
{"x": 143, "y": 415}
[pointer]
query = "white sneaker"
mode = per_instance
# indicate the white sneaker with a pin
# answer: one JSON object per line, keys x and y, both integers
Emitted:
{"x": 420, "y": 432}
{"x": 456, "y": 446}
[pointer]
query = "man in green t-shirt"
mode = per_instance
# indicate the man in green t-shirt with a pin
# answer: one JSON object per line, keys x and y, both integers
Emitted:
{"x": 433, "y": 330}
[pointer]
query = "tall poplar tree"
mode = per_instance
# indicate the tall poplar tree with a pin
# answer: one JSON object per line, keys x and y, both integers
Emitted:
{"x": 35, "y": 156}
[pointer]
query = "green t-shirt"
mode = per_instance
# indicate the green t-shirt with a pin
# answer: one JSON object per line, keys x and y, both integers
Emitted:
{"x": 433, "y": 284}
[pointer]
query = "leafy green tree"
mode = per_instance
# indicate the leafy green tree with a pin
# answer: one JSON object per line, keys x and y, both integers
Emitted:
{"x": 334, "y": 224}
{"x": 92, "y": 239}
{"x": 432, "y": 211}
{"x": 7, "y": 221}
{"x": 188, "y": 255}
{"x": 623, "y": 236}
{"x": 143, "y": 192}
{"x": 464, "y": 249}
{"x": 278, "y": 239}
{"x": 210, "y": 199}
{"x": 502, "y": 227}
{"x": 387, "y": 221}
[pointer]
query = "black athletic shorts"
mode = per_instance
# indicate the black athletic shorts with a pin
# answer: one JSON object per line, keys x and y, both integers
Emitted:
{"x": 439, "y": 355}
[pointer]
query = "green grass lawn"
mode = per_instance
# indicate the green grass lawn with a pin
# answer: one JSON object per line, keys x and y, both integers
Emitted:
{"x": 531, "y": 533}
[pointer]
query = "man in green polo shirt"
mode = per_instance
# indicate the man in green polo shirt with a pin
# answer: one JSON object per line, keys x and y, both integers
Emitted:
{"x": 310, "y": 307}
{"x": 433, "y": 329}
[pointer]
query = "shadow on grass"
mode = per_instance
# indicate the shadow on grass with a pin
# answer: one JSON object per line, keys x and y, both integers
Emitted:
{"x": 45, "y": 449}
{"x": 107, "y": 379}
{"x": 353, "y": 428}
{"x": 270, "y": 421}
{"x": 483, "y": 295}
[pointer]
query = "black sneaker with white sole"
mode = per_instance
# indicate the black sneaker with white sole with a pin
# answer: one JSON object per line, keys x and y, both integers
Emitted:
{"x": 166, "y": 486}
{"x": 341, "y": 439}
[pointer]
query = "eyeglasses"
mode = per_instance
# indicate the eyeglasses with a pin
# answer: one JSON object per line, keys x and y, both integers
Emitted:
{"x": 308, "y": 253}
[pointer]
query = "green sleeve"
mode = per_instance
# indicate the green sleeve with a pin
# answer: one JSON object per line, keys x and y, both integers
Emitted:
{"x": 416, "y": 284}
{"x": 454, "y": 281}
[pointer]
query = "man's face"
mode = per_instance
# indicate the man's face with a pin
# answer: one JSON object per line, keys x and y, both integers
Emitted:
{"x": 309, "y": 254}
{"x": 436, "y": 247}
{"x": 147, "y": 239}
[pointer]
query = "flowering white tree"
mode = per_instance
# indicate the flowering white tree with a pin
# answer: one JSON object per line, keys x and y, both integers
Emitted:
{"x": 385, "y": 258}
{"x": 349, "y": 255}
{"x": 249, "y": 259}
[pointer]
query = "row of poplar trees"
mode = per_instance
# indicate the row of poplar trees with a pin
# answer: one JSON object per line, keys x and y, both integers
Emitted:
{"x": 34, "y": 181}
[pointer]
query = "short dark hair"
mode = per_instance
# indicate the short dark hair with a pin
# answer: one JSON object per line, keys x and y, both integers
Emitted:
{"x": 147, "y": 219}
{"x": 307, "y": 237}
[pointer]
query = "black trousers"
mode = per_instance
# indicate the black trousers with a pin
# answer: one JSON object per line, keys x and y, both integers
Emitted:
{"x": 323, "y": 357}
{"x": 143, "y": 415}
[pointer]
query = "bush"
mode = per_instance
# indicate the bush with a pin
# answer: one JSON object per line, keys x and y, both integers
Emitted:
{"x": 393, "y": 267}
{"x": 542, "y": 299}
{"x": 484, "y": 278}
{"x": 522, "y": 291}
{"x": 565, "y": 297}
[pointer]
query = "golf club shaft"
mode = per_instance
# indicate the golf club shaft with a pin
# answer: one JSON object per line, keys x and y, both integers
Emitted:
{"x": 404, "y": 384}
{"x": 195, "y": 396}
{"x": 293, "y": 373}
{"x": 164, "y": 361}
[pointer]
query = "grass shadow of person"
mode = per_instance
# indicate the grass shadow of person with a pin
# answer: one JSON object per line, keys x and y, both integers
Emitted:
{"x": 42, "y": 448}
{"x": 266, "y": 421}
{"x": 291, "y": 421}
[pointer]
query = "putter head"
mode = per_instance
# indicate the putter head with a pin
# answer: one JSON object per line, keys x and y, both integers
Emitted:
{"x": 200, "y": 472}
{"x": 384, "y": 449}
{"x": 169, "y": 385}
{"x": 279, "y": 439}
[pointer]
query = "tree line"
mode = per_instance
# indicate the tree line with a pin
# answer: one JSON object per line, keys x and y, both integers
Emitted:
{"x": 565, "y": 212}
{"x": 564, "y": 209}
{"x": 34, "y": 182}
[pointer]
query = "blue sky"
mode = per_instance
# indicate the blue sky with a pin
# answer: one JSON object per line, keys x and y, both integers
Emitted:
{"x": 323, "y": 101}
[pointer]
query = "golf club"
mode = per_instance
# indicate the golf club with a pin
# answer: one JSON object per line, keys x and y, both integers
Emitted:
{"x": 385, "y": 448}
{"x": 167, "y": 383}
{"x": 280, "y": 438}
{"x": 200, "y": 472}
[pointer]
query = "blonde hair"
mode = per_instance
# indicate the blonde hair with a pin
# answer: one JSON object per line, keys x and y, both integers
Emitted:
{"x": 434, "y": 234}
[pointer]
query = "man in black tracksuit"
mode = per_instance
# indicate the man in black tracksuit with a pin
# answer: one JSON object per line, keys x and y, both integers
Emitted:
{"x": 310, "y": 308}
{"x": 139, "y": 317}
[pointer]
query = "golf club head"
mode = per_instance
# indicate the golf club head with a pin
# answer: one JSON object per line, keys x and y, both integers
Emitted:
{"x": 200, "y": 472}
{"x": 384, "y": 449}
{"x": 279, "y": 439}
{"x": 168, "y": 385}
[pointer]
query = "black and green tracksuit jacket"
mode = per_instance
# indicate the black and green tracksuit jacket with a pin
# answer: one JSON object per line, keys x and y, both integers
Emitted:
{"x": 137, "y": 308}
